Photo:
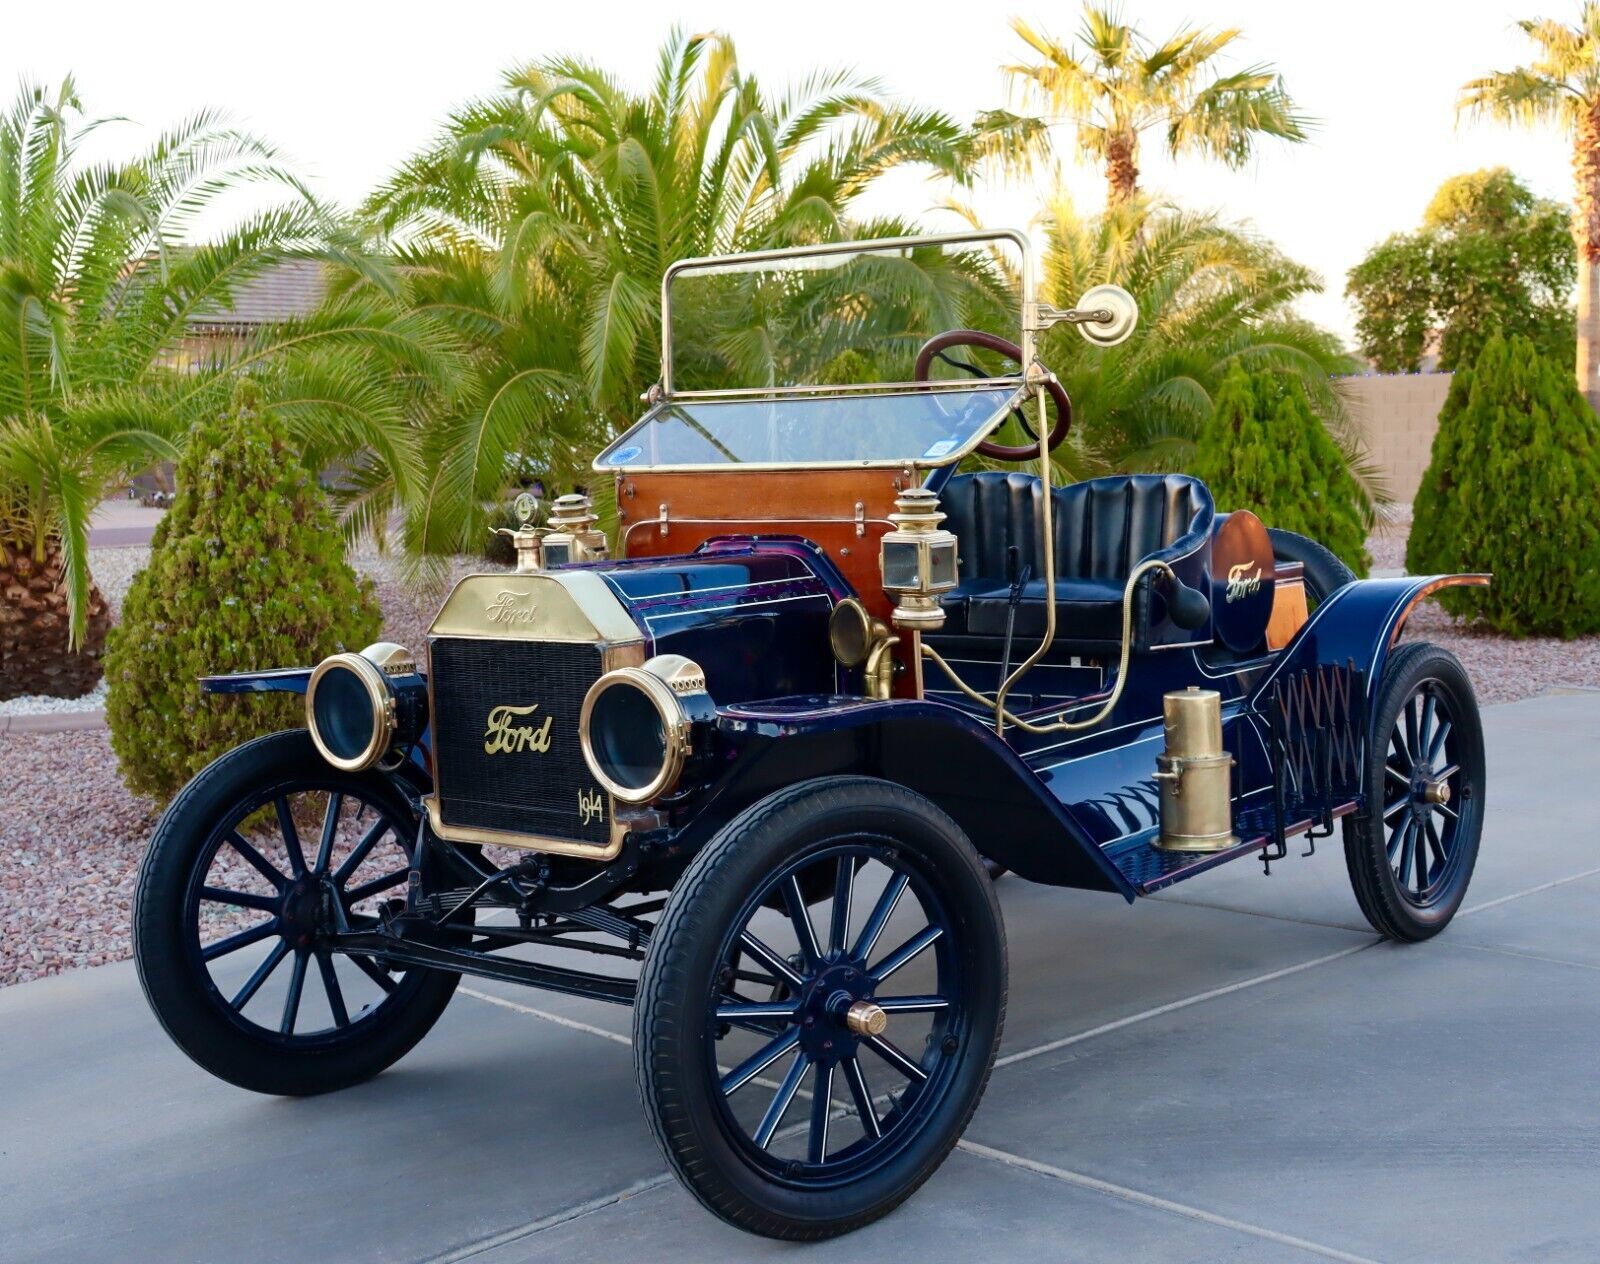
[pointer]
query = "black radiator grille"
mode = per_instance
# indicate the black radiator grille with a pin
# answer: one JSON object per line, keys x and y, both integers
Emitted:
{"x": 525, "y": 790}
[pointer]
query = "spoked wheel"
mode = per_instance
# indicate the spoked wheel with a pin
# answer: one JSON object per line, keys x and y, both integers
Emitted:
{"x": 1412, "y": 857}
{"x": 806, "y": 1069}
{"x": 260, "y": 859}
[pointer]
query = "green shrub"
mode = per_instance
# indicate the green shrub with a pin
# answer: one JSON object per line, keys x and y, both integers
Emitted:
{"x": 1511, "y": 489}
{"x": 1264, "y": 450}
{"x": 246, "y": 571}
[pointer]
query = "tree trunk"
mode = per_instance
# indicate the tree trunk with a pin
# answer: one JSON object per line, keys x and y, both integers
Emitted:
{"x": 1586, "y": 173}
{"x": 1122, "y": 167}
{"x": 34, "y": 627}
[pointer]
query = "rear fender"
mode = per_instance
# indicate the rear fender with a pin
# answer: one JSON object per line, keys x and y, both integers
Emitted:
{"x": 1004, "y": 807}
{"x": 1359, "y": 624}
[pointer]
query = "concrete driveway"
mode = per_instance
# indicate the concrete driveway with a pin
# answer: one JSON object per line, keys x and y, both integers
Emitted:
{"x": 1238, "y": 1070}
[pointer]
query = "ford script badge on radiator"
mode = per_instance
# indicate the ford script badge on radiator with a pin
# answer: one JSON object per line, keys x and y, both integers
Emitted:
{"x": 503, "y": 737}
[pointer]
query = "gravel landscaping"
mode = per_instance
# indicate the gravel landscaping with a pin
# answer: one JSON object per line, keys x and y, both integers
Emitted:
{"x": 72, "y": 834}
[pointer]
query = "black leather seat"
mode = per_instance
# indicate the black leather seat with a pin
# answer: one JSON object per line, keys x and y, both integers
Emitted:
{"x": 1103, "y": 528}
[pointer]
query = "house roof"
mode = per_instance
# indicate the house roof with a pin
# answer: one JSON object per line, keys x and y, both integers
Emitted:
{"x": 290, "y": 289}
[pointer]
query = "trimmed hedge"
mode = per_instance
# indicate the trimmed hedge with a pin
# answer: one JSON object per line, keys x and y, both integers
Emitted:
{"x": 1264, "y": 450}
{"x": 1512, "y": 489}
{"x": 246, "y": 571}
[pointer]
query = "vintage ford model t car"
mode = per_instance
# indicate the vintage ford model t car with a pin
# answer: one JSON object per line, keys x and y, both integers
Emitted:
{"x": 767, "y": 760}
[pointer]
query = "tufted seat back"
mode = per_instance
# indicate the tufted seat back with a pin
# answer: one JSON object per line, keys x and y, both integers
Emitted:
{"x": 1102, "y": 527}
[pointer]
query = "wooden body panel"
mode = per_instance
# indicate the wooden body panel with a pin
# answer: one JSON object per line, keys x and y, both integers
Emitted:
{"x": 845, "y": 512}
{"x": 1288, "y": 605}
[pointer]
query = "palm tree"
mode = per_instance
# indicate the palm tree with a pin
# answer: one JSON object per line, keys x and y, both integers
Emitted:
{"x": 1209, "y": 296}
{"x": 1561, "y": 86}
{"x": 541, "y": 221}
{"x": 1120, "y": 85}
{"x": 99, "y": 285}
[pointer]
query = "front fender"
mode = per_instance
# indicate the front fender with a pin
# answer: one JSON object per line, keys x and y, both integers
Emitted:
{"x": 274, "y": 680}
{"x": 1004, "y": 807}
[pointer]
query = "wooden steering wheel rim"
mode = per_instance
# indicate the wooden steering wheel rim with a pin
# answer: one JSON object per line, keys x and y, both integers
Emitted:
{"x": 1005, "y": 347}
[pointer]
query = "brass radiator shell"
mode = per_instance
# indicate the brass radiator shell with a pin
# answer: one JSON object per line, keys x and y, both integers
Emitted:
{"x": 1195, "y": 774}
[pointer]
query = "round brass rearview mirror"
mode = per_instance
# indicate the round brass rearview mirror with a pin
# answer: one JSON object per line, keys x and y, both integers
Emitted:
{"x": 1124, "y": 313}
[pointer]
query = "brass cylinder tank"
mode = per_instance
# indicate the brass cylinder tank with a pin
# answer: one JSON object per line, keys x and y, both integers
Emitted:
{"x": 1195, "y": 774}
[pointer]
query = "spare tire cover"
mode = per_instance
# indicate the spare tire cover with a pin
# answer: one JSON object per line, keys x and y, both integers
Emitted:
{"x": 1243, "y": 576}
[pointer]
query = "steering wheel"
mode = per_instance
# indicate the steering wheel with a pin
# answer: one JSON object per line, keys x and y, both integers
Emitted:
{"x": 934, "y": 349}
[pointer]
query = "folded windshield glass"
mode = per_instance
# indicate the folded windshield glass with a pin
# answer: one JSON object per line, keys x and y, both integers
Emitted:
{"x": 917, "y": 427}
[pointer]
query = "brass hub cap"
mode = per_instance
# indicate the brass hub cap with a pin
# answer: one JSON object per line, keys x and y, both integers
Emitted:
{"x": 866, "y": 1018}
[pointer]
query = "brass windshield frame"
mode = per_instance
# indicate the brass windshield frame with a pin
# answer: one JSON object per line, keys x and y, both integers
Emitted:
{"x": 763, "y": 260}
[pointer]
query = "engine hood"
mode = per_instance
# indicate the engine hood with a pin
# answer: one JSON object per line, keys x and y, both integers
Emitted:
{"x": 753, "y": 613}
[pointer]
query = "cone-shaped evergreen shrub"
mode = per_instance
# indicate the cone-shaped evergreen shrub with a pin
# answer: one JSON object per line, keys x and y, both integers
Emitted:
{"x": 246, "y": 571}
{"x": 1512, "y": 488}
{"x": 1264, "y": 450}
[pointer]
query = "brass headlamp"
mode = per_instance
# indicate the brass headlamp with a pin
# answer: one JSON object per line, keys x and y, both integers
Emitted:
{"x": 572, "y": 536}
{"x": 918, "y": 560}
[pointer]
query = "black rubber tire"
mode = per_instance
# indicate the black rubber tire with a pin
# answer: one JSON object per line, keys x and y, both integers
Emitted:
{"x": 187, "y": 1005}
{"x": 1324, "y": 572}
{"x": 1376, "y": 888}
{"x": 669, "y": 1021}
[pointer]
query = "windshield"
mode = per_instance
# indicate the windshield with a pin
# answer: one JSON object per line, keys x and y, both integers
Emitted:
{"x": 925, "y": 428}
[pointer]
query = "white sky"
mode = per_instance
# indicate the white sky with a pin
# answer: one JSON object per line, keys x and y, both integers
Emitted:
{"x": 348, "y": 90}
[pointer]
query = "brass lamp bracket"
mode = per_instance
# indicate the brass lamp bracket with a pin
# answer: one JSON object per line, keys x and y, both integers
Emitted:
{"x": 573, "y": 536}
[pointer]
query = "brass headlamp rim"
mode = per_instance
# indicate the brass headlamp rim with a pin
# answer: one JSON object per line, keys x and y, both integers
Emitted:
{"x": 675, "y": 726}
{"x": 379, "y": 697}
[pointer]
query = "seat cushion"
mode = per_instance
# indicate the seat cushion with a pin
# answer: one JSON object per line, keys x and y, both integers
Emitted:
{"x": 1088, "y": 610}
{"x": 956, "y": 601}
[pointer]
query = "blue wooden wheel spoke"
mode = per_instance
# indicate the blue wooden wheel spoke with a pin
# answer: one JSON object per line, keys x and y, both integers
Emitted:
{"x": 252, "y": 985}
{"x": 330, "y": 828}
{"x": 758, "y": 1062}
{"x": 755, "y": 1009}
{"x": 243, "y": 939}
{"x": 879, "y": 918}
{"x": 782, "y": 1099}
{"x": 241, "y": 899}
{"x": 767, "y": 957}
{"x": 891, "y": 1054}
{"x": 330, "y": 985}
{"x": 821, "y": 1113}
{"x": 291, "y": 1002}
{"x": 795, "y": 902}
{"x": 912, "y": 1004}
{"x": 359, "y": 852}
{"x": 378, "y": 885}
{"x": 1436, "y": 747}
{"x": 906, "y": 953}
{"x": 843, "y": 889}
{"x": 372, "y": 970}
{"x": 260, "y": 863}
{"x": 291, "y": 836}
{"x": 861, "y": 1095}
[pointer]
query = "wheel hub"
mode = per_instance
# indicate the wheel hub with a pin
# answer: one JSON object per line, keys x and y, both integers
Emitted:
{"x": 305, "y": 911}
{"x": 836, "y": 1011}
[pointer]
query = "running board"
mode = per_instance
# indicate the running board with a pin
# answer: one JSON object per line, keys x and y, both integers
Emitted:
{"x": 1150, "y": 869}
